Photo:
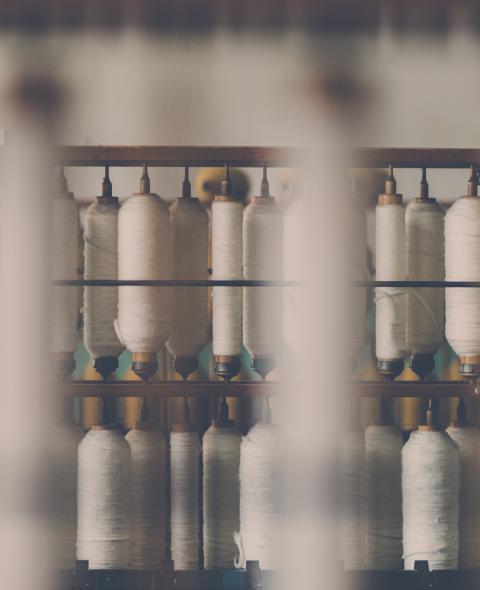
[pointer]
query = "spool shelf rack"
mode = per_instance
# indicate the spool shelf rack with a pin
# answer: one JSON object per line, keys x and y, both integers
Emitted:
{"x": 254, "y": 157}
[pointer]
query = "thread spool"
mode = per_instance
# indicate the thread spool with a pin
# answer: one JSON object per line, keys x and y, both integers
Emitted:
{"x": 104, "y": 500}
{"x": 261, "y": 530}
{"x": 64, "y": 265}
{"x": 144, "y": 252}
{"x": 352, "y": 489}
{"x": 65, "y": 440}
{"x": 149, "y": 494}
{"x": 221, "y": 492}
{"x": 425, "y": 262}
{"x": 189, "y": 330}
{"x": 262, "y": 244}
{"x": 383, "y": 493}
{"x": 467, "y": 438}
{"x": 227, "y": 264}
{"x": 462, "y": 263}
{"x": 390, "y": 266}
{"x": 184, "y": 494}
{"x": 359, "y": 271}
{"x": 101, "y": 262}
{"x": 430, "y": 489}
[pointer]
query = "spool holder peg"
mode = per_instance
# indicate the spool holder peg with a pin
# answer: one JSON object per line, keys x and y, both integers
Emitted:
{"x": 144, "y": 364}
{"x": 185, "y": 425}
{"x": 429, "y": 425}
{"x": 222, "y": 419}
{"x": 64, "y": 364}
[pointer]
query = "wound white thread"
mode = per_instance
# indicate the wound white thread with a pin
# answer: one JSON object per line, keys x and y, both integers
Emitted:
{"x": 462, "y": 263}
{"x": 65, "y": 441}
{"x": 227, "y": 264}
{"x": 261, "y": 519}
{"x": 184, "y": 498}
{"x": 467, "y": 439}
{"x": 64, "y": 267}
{"x": 101, "y": 262}
{"x": 189, "y": 330}
{"x": 425, "y": 262}
{"x": 430, "y": 488}
{"x": 262, "y": 260}
{"x": 383, "y": 494}
{"x": 352, "y": 491}
{"x": 104, "y": 499}
{"x": 149, "y": 498}
{"x": 390, "y": 266}
{"x": 221, "y": 494}
{"x": 144, "y": 252}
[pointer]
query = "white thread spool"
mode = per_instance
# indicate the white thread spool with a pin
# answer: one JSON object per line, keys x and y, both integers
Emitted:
{"x": 358, "y": 257}
{"x": 467, "y": 439}
{"x": 104, "y": 499}
{"x": 101, "y": 262}
{"x": 462, "y": 263}
{"x": 189, "y": 330}
{"x": 262, "y": 246}
{"x": 425, "y": 262}
{"x": 261, "y": 469}
{"x": 221, "y": 493}
{"x": 390, "y": 266}
{"x": 144, "y": 252}
{"x": 149, "y": 497}
{"x": 430, "y": 488}
{"x": 383, "y": 493}
{"x": 352, "y": 490}
{"x": 184, "y": 497}
{"x": 227, "y": 264}
{"x": 65, "y": 441}
{"x": 64, "y": 265}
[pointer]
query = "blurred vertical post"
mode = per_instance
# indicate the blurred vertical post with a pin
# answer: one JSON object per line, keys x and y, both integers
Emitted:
{"x": 26, "y": 394}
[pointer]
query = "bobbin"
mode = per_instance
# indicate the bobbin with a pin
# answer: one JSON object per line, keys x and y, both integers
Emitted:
{"x": 106, "y": 365}
{"x": 64, "y": 361}
{"x": 226, "y": 366}
{"x": 470, "y": 364}
{"x": 423, "y": 363}
{"x": 390, "y": 368}
{"x": 263, "y": 365}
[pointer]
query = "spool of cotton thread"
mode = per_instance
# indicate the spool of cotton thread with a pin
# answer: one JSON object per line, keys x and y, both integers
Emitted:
{"x": 64, "y": 265}
{"x": 352, "y": 490}
{"x": 101, "y": 262}
{"x": 227, "y": 264}
{"x": 221, "y": 459}
{"x": 261, "y": 469}
{"x": 358, "y": 256}
{"x": 144, "y": 252}
{"x": 149, "y": 497}
{"x": 425, "y": 262}
{"x": 390, "y": 266}
{"x": 262, "y": 246}
{"x": 65, "y": 441}
{"x": 467, "y": 439}
{"x": 430, "y": 488}
{"x": 184, "y": 496}
{"x": 383, "y": 493}
{"x": 104, "y": 499}
{"x": 462, "y": 263}
{"x": 189, "y": 330}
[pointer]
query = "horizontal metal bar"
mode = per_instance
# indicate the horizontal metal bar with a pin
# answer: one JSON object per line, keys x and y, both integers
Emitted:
{"x": 173, "y": 283}
{"x": 253, "y": 156}
{"x": 424, "y": 389}
{"x": 416, "y": 157}
{"x": 174, "y": 156}
{"x": 420, "y": 284}
{"x": 170, "y": 388}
